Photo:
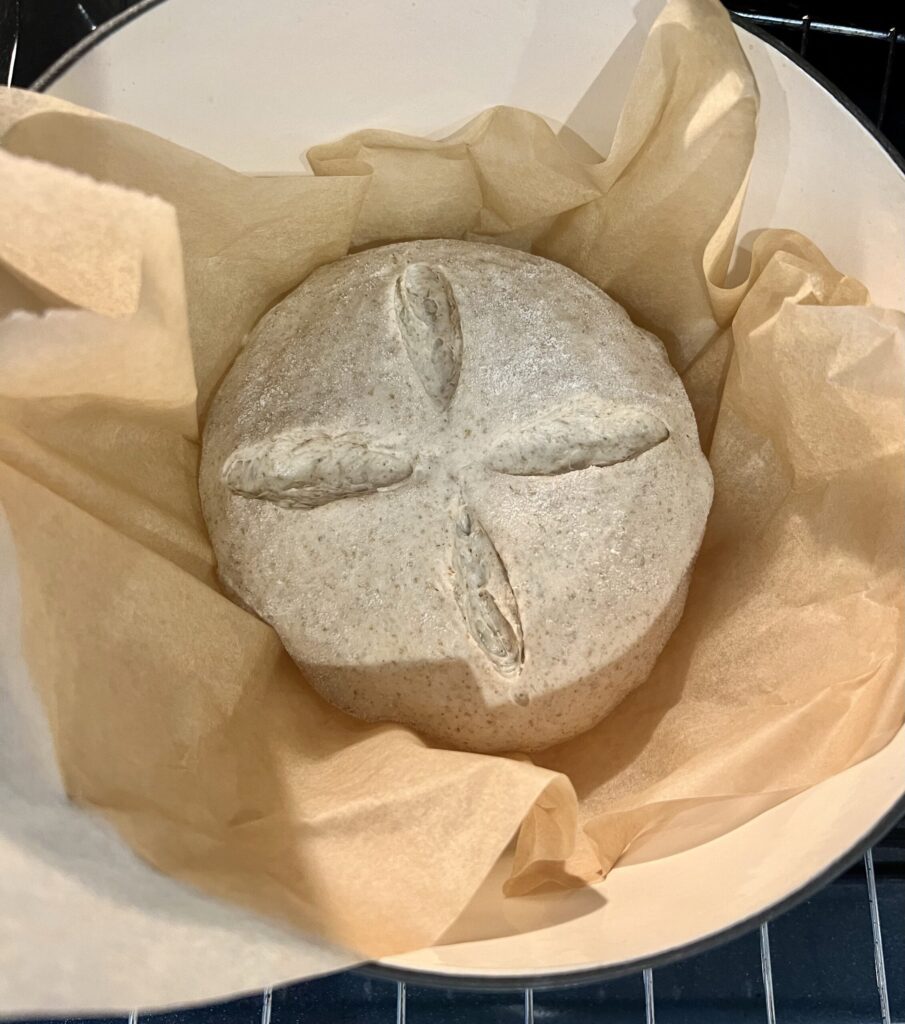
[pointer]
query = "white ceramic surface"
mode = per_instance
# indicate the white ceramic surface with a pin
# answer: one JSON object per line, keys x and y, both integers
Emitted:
{"x": 256, "y": 84}
{"x": 251, "y": 89}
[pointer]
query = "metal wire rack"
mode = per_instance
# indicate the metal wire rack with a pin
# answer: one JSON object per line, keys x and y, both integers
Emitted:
{"x": 881, "y": 102}
{"x": 806, "y": 28}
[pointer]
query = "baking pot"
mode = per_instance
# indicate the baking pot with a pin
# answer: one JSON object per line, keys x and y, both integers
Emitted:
{"x": 225, "y": 79}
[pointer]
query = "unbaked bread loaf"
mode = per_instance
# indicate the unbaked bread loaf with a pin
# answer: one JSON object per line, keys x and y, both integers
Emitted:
{"x": 466, "y": 491}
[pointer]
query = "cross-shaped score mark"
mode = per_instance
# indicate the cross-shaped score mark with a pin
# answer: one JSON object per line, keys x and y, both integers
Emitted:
{"x": 304, "y": 468}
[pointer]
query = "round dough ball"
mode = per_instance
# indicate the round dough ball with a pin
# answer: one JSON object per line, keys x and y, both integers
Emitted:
{"x": 465, "y": 490}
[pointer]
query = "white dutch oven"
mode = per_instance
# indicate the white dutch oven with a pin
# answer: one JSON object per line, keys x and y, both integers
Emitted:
{"x": 253, "y": 85}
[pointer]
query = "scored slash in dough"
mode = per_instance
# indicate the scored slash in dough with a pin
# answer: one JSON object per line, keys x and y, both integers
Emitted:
{"x": 463, "y": 487}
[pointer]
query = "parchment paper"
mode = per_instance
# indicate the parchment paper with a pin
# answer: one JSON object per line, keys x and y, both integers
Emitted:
{"x": 130, "y": 270}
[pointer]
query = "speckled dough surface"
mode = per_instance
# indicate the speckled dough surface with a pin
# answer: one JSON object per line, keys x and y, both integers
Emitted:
{"x": 463, "y": 487}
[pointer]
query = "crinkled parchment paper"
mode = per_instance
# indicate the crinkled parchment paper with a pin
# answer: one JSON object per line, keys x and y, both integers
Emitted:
{"x": 130, "y": 271}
